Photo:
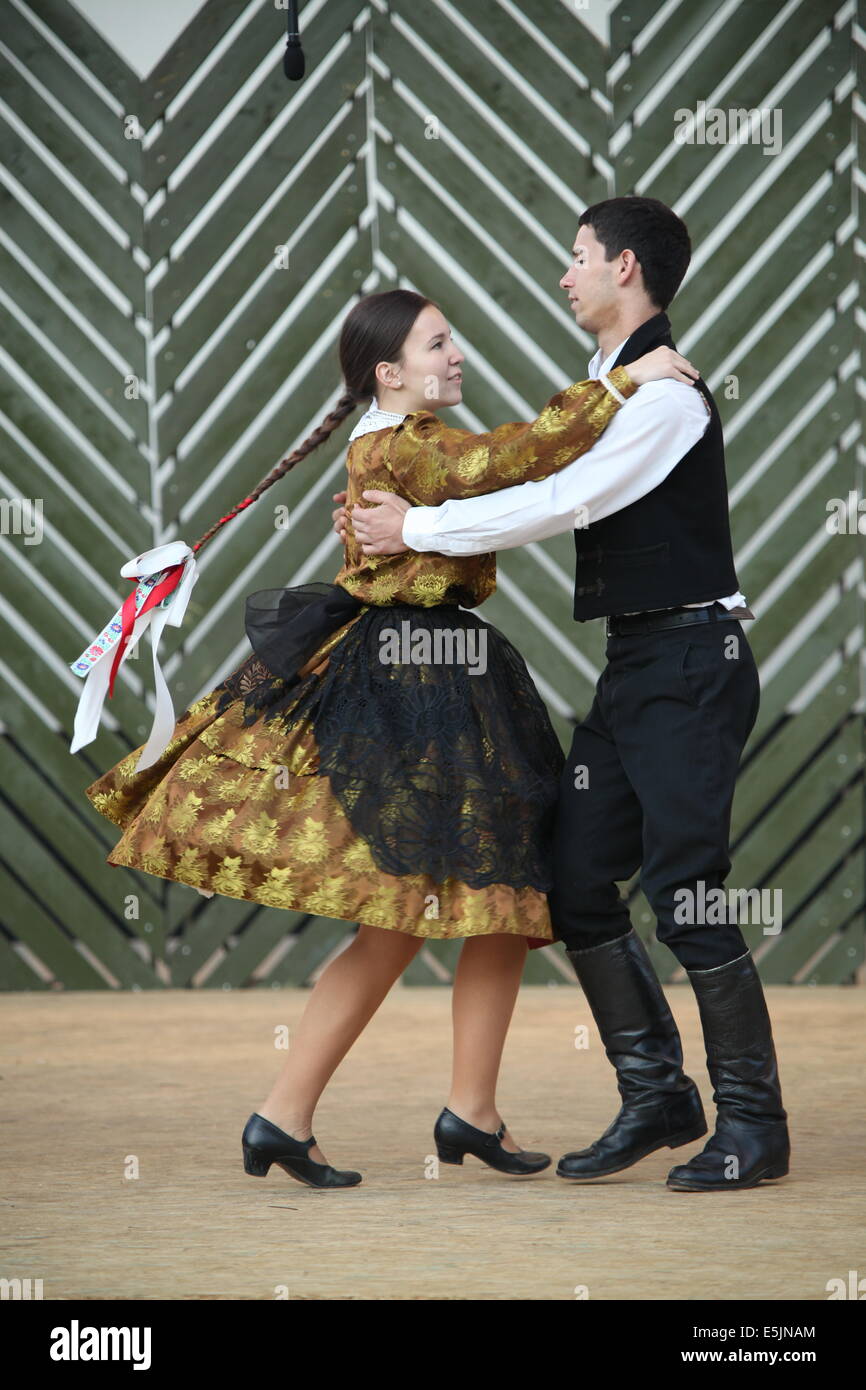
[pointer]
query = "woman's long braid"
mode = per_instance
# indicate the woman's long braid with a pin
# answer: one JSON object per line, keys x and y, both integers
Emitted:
{"x": 345, "y": 405}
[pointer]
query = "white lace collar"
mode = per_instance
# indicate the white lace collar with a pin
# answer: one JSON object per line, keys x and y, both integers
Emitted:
{"x": 375, "y": 419}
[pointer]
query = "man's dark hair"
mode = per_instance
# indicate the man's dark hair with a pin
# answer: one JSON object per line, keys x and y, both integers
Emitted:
{"x": 652, "y": 230}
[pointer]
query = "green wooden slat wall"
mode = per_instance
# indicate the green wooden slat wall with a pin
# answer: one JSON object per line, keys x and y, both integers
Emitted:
{"x": 157, "y": 362}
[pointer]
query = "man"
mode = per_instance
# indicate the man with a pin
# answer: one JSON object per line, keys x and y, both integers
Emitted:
{"x": 650, "y": 777}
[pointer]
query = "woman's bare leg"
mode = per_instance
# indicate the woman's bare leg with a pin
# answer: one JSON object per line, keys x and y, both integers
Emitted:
{"x": 344, "y": 999}
{"x": 485, "y": 989}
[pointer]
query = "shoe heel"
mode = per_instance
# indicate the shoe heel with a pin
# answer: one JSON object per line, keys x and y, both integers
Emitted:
{"x": 255, "y": 1163}
{"x": 447, "y": 1154}
{"x": 778, "y": 1170}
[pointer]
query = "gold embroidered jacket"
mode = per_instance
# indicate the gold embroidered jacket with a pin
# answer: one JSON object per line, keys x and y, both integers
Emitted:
{"x": 426, "y": 462}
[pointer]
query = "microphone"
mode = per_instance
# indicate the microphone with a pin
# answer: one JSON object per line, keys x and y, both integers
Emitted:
{"x": 293, "y": 58}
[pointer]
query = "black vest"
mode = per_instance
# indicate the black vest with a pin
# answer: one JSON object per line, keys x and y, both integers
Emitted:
{"x": 673, "y": 545}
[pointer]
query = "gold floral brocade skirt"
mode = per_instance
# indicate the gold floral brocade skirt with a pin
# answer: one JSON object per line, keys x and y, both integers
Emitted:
{"x": 241, "y": 810}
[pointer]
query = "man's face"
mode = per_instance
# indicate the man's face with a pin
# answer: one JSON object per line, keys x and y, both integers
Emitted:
{"x": 590, "y": 282}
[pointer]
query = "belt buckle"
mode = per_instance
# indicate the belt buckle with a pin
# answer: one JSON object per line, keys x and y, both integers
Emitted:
{"x": 617, "y": 618}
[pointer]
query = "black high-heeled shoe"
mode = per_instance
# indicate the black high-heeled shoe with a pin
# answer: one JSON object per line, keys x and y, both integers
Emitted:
{"x": 264, "y": 1144}
{"x": 455, "y": 1138}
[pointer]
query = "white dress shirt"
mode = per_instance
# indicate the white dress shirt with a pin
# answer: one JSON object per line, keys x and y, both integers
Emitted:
{"x": 643, "y": 442}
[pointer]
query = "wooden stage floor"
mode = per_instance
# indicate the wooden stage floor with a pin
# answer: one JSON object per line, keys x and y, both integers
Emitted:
{"x": 95, "y": 1084}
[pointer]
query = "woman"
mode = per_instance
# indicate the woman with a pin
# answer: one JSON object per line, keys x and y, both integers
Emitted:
{"x": 383, "y": 756}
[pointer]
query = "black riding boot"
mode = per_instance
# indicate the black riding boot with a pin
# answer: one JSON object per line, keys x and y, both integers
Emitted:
{"x": 661, "y": 1106}
{"x": 751, "y": 1139}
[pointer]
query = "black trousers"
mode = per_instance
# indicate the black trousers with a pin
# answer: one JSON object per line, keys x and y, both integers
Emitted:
{"x": 649, "y": 783}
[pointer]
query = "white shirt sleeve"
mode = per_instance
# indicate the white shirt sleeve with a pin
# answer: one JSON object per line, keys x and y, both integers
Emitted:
{"x": 645, "y": 439}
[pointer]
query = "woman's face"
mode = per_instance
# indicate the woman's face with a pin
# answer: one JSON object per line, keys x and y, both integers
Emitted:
{"x": 429, "y": 374}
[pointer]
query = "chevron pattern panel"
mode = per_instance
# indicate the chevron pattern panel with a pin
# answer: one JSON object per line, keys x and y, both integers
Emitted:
{"x": 177, "y": 253}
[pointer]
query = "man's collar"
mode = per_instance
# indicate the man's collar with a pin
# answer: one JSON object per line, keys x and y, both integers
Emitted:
{"x": 597, "y": 366}
{"x": 656, "y": 327}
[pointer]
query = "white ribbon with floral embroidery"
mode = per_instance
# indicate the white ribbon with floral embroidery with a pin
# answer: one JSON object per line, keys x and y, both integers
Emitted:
{"x": 95, "y": 662}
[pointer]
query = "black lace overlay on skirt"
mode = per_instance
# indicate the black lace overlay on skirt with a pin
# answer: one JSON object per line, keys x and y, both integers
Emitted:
{"x": 441, "y": 771}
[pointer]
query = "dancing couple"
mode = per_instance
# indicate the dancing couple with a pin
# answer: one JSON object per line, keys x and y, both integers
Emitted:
{"x": 427, "y": 799}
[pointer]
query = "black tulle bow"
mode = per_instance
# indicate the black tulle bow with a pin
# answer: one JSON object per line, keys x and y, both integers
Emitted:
{"x": 285, "y": 626}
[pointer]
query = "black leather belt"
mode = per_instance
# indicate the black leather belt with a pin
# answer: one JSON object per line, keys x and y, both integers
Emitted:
{"x": 624, "y": 624}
